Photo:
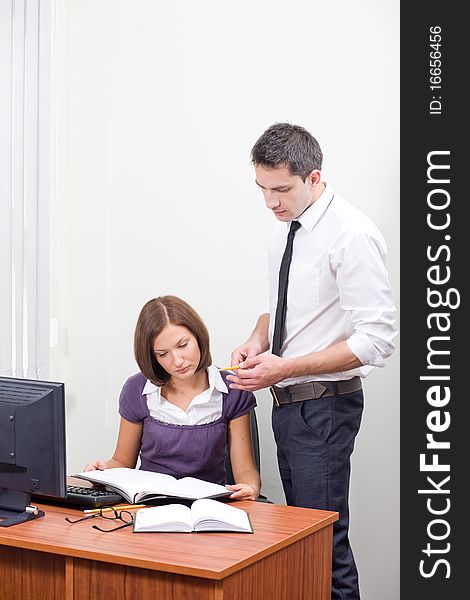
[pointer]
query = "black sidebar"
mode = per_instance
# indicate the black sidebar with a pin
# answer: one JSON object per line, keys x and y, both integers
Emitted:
{"x": 435, "y": 372}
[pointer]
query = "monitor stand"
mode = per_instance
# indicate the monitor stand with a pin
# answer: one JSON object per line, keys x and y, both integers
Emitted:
{"x": 15, "y": 508}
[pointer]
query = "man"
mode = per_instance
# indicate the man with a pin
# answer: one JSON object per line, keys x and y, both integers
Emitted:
{"x": 331, "y": 319}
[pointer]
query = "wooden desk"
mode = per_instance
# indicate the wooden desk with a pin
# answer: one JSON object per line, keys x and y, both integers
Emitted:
{"x": 287, "y": 558}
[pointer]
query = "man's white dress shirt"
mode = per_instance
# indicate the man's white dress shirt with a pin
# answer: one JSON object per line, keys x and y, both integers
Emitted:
{"x": 338, "y": 286}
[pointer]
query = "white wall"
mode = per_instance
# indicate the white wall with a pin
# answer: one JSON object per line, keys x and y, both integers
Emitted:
{"x": 158, "y": 105}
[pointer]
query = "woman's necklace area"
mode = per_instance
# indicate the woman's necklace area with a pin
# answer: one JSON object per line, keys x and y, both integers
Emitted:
{"x": 180, "y": 392}
{"x": 200, "y": 386}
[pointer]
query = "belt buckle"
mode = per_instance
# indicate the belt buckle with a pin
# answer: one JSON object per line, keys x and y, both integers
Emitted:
{"x": 273, "y": 394}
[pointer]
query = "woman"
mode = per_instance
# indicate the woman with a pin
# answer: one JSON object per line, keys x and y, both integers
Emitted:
{"x": 178, "y": 414}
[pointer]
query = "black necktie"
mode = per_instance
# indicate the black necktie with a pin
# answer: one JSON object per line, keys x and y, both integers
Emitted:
{"x": 282, "y": 291}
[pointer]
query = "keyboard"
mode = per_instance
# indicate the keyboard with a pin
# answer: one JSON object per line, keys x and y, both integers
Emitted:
{"x": 92, "y": 497}
{"x": 84, "y": 497}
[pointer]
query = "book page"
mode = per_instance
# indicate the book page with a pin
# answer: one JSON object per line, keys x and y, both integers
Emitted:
{"x": 170, "y": 517}
{"x": 212, "y": 515}
{"x": 190, "y": 487}
{"x": 136, "y": 484}
{"x": 131, "y": 481}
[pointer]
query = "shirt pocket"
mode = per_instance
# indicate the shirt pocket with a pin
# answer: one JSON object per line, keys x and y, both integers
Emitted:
{"x": 304, "y": 286}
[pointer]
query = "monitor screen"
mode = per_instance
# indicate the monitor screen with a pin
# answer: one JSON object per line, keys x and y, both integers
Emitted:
{"x": 32, "y": 441}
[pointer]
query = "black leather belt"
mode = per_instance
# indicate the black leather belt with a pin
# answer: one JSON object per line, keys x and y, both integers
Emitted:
{"x": 312, "y": 390}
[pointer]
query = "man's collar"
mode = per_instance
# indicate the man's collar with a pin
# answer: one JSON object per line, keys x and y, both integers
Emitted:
{"x": 310, "y": 217}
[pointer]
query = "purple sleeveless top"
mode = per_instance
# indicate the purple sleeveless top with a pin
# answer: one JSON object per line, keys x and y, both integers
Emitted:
{"x": 182, "y": 450}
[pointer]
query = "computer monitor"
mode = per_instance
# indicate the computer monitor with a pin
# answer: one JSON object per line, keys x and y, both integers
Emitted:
{"x": 32, "y": 446}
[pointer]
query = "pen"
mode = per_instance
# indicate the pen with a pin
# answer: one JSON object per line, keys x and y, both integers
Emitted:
{"x": 109, "y": 508}
{"x": 234, "y": 368}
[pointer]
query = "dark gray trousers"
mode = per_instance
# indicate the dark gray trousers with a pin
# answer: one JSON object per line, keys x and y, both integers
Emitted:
{"x": 315, "y": 440}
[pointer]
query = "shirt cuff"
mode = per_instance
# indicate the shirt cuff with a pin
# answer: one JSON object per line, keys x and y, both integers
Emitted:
{"x": 366, "y": 352}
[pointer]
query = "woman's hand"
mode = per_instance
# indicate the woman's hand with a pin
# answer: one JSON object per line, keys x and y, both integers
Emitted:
{"x": 98, "y": 465}
{"x": 242, "y": 491}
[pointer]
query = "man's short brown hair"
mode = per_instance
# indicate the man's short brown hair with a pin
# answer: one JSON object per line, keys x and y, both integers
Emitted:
{"x": 288, "y": 145}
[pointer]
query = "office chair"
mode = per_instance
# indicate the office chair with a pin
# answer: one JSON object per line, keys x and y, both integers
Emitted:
{"x": 256, "y": 454}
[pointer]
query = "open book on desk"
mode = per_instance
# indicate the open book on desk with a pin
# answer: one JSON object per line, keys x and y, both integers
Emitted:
{"x": 143, "y": 486}
{"x": 203, "y": 516}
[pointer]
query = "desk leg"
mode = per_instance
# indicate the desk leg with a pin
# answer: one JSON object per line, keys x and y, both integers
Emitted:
{"x": 69, "y": 564}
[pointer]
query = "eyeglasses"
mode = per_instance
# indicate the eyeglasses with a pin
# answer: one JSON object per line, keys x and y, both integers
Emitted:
{"x": 108, "y": 513}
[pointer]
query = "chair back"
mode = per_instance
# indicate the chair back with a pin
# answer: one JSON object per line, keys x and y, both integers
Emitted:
{"x": 256, "y": 452}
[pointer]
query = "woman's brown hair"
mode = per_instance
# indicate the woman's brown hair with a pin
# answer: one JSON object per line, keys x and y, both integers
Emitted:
{"x": 155, "y": 315}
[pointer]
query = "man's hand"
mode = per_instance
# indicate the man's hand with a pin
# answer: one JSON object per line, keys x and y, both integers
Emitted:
{"x": 247, "y": 350}
{"x": 259, "y": 372}
{"x": 256, "y": 344}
